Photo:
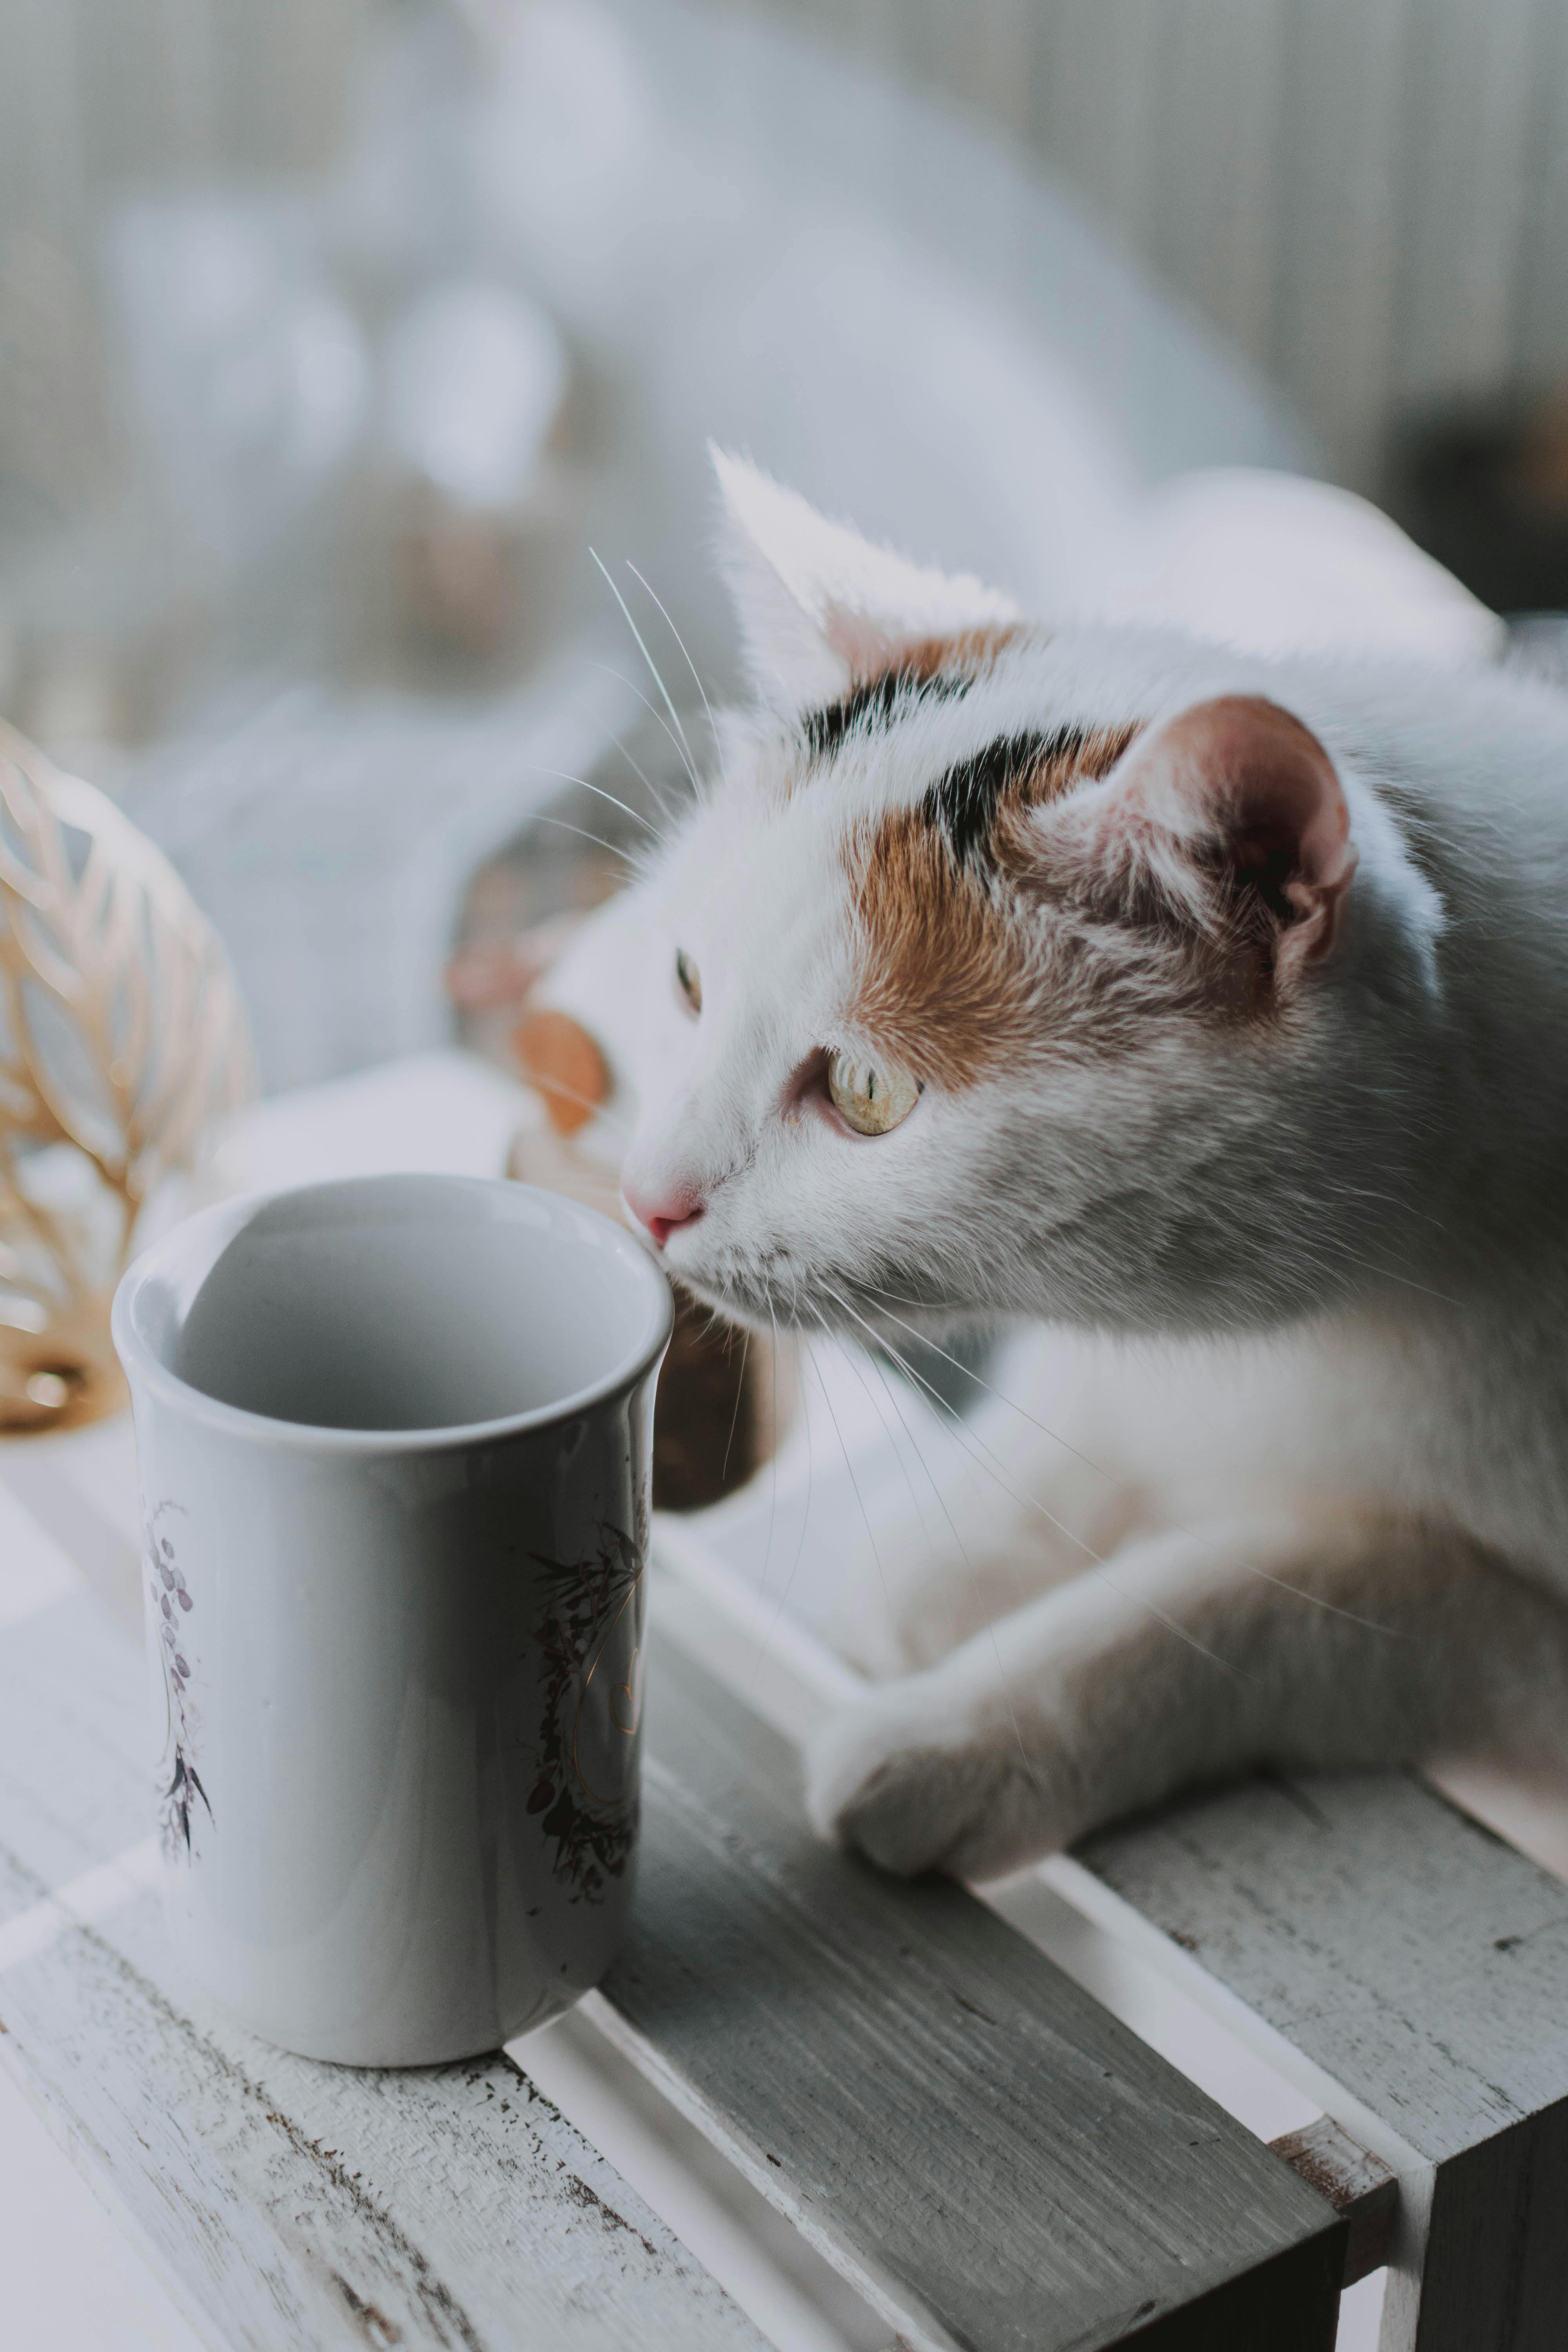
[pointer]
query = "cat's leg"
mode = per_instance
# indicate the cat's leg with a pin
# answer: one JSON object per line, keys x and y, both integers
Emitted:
{"x": 1303, "y": 1644}
{"x": 1021, "y": 1492}
{"x": 944, "y": 1565}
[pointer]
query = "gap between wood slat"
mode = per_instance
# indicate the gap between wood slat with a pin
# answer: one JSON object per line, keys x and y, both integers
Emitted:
{"x": 778, "y": 1686}
{"x": 1360, "y": 2187}
{"x": 790, "y": 1678}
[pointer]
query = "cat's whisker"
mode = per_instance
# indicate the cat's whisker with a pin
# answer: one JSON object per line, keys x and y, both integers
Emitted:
{"x": 1002, "y": 1682}
{"x": 654, "y": 671}
{"x": 765, "y": 1644}
{"x": 855, "y": 1483}
{"x": 691, "y": 665}
{"x": 632, "y": 687}
{"x": 1116, "y": 1484}
{"x": 543, "y": 1086}
{"x": 1020, "y": 1595}
{"x": 875, "y": 1362}
{"x": 665, "y": 810}
{"x": 960, "y": 1366}
{"x": 903, "y": 1466}
{"x": 563, "y": 777}
{"x": 1098, "y": 1564}
{"x": 766, "y": 1640}
{"x": 810, "y": 1468}
{"x": 1386, "y": 1274}
{"x": 1345, "y": 1190}
{"x": 1174, "y": 1526}
{"x": 772, "y": 1459}
{"x": 584, "y": 835}
{"x": 1095, "y": 1562}
{"x": 734, "y": 1417}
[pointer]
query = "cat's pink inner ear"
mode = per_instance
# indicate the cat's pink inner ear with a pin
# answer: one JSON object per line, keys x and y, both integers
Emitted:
{"x": 1239, "y": 782}
{"x": 865, "y": 645}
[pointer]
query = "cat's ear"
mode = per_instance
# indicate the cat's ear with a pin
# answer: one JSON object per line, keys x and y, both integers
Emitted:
{"x": 1230, "y": 818}
{"x": 820, "y": 608}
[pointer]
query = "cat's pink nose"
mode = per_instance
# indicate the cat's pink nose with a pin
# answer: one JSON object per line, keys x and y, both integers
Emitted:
{"x": 673, "y": 1206}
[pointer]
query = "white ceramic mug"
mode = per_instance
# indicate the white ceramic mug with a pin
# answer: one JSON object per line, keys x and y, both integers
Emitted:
{"x": 394, "y": 1437}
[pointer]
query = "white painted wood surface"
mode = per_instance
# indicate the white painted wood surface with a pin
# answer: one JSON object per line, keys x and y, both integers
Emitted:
{"x": 288, "y": 2202}
{"x": 74, "y": 2280}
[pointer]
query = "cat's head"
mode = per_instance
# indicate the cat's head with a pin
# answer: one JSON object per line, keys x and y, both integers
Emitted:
{"x": 1010, "y": 967}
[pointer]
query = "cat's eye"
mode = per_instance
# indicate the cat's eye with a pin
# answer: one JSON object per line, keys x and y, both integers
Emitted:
{"x": 690, "y": 979}
{"x": 871, "y": 1096}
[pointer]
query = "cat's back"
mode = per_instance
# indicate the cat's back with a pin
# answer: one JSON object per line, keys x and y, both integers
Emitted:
{"x": 1482, "y": 741}
{"x": 1486, "y": 747}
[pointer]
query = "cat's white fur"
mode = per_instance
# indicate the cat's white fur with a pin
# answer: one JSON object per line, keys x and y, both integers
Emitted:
{"x": 1290, "y": 1298}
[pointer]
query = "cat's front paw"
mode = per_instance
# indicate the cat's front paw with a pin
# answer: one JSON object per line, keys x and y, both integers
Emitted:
{"x": 915, "y": 1786}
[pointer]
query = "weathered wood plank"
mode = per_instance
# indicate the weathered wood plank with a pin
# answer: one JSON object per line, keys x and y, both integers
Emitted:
{"x": 316, "y": 2206}
{"x": 1358, "y": 2184}
{"x": 1414, "y": 1960}
{"x": 1487, "y": 2225}
{"x": 962, "y": 2130}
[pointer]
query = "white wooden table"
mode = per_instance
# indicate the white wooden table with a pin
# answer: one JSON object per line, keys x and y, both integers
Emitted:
{"x": 958, "y": 2128}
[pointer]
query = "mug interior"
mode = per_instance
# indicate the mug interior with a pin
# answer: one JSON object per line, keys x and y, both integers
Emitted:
{"x": 399, "y": 1303}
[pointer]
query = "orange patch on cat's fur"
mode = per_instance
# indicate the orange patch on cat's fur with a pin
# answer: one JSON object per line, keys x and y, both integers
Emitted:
{"x": 969, "y": 653}
{"x": 1084, "y": 759}
{"x": 940, "y": 939}
{"x": 563, "y": 1064}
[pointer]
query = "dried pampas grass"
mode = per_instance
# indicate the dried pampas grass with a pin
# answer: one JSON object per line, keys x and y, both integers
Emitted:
{"x": 124, "y": 1052}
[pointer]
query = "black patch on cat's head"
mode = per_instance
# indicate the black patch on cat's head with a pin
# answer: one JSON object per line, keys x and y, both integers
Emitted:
{"x": 964, "y": 803}
{"x": 873, "y": 704}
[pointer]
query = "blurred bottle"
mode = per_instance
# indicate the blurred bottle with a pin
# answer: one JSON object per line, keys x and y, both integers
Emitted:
{"x": 475, "y": 500}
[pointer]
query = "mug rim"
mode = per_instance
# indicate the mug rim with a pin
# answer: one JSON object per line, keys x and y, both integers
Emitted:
{"x": 146, "y": 1371}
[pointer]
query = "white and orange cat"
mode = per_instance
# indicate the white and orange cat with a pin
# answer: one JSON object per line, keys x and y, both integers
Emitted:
{"x": 1205, "y": 1019}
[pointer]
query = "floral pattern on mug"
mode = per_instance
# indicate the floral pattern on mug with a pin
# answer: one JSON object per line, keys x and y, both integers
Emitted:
{"x": 590, "y": 1602}
{"x": 171, "y": 1603}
